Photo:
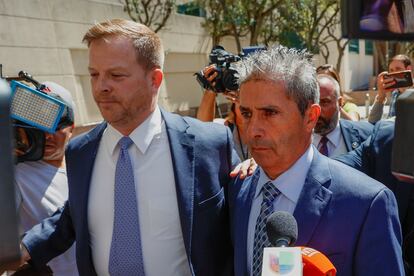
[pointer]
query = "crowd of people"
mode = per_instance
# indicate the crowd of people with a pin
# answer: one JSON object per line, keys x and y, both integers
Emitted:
{"x": 148, "y": 192}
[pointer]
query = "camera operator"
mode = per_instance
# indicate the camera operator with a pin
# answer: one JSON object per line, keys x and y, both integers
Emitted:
{"x": 42, "y": 185}
{"x": 207, "y": 109}
{"x": 398, "y": 63}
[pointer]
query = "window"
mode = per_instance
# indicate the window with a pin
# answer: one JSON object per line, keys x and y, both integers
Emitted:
{"x": 191, "y": 8}
{"x": 353, "y": 46}
{"x": 369, "y": 47}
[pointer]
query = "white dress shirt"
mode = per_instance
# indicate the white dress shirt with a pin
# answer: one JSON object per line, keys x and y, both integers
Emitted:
{"x": 290, "y": 184}
{"x": 336, "y": 144}
{"x": 161, "y": 236}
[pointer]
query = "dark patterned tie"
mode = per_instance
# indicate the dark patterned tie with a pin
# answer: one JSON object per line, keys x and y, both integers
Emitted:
{"x": 323, "y": 146}
{"x": 126, "y": 255}
{"x": 270, "y": 192}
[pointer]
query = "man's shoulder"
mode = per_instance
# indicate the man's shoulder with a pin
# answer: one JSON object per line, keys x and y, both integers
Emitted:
{"x": 209, "y": 130}
{"x": 91, "y": 136}
{"x": 347, "y": 180}
{"x": 359, "y": 125}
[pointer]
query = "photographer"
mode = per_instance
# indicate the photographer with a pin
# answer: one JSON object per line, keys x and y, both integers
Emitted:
{"x": 397, "y": 64}
{"x": 207, "y": 109}
{"x": 42, "y": 185}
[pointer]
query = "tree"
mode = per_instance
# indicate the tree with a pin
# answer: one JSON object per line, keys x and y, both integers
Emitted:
{"x": 238, "y": 18}
{"x": 152, "y": 13}
{"x": 332, "y": 35}
{"x": 225, "y": 18}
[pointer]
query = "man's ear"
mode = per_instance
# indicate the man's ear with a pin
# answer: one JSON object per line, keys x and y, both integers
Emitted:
{"x": 312, "y": 116}
{"x": 341, "y": 101}
{"x": 156, "y": 78}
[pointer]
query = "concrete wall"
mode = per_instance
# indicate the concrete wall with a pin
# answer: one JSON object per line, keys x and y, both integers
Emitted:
{"x": 43, "y": 37}
{"x": 356, "y": 69}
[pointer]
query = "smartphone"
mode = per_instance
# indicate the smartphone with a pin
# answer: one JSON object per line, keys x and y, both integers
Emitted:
{"x": 401, "y": 78}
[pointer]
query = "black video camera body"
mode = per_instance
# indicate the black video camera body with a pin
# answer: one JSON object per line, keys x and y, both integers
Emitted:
{"x": 227, "y": 79}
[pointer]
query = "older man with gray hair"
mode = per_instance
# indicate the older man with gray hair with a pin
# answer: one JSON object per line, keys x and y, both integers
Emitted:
{"x": 333, "y": 136}
{"x": 341, "y": 212}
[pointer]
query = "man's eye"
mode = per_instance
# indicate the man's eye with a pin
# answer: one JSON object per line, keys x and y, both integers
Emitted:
{"x": 271, "y": 112}
{"x": 246, "y": 114}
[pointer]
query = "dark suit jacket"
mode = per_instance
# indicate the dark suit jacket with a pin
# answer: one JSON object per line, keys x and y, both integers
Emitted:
{"x": 373, "y": 157}
{"x": 354, "y": 133}
{"x": 341, "y": 212}
{"x": 202, "y": 159}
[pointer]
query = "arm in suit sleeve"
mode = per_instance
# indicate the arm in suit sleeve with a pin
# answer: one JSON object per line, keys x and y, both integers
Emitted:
{"x": 359, "y": 158}
{"x": 52, "y": 237}
{"x": 379, "y": 247}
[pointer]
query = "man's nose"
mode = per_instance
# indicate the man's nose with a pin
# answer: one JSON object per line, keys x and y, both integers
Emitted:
{"x": 254, "y": 128}
{"x": 102, "y": 84}
{"x": 48, "y": 136}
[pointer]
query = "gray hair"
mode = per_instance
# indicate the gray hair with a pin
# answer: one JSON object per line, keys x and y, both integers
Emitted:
{"x": 280, "y": 64}
{"x": 337, "y": 88}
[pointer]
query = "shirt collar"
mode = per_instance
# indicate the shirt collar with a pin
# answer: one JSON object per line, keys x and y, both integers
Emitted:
{"x": 335, "y": 135}
{"x": 141, "y": 136}
{"x": 290, "y": 182}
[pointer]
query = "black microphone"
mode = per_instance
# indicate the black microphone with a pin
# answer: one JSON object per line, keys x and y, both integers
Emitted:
{"x": 282, "y": 229}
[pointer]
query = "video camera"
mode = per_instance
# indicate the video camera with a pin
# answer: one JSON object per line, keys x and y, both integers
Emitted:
{"x": 226, "y": 79}
{"x": 34, "y": 111}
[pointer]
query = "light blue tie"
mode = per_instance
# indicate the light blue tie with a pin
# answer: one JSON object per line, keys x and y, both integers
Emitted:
{"x": 270, "y": 192}
{"x": 125, "y": 257}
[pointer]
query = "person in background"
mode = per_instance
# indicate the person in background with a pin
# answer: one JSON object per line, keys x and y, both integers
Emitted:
{"x": 348, "y": 110}
{"x": 398, "y": 63}
{"x": 373, "y": 158}
{"x": 333, "y": 136}
{"x": 43, "y": 185}
{"x": 207, "y": 113}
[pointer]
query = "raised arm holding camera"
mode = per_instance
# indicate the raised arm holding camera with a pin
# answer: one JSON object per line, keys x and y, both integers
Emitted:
{"x": 221, "y": 77}
{"x": 395, "y": 81}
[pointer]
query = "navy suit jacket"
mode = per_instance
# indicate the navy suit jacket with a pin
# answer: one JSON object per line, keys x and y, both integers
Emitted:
{"x": 341, "y": 212}
{"x": 202, "y": 158}
{"x": 373, "y": 157}
{"x": 354, "y": 133}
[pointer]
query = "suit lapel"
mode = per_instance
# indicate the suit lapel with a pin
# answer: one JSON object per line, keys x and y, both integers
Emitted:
{"x": 350, "y": 135}
{"x": 87, "y": 153}
{"x": 80, "y": 175}
{"x": 314, "y": 198}
{"x": 244, "y": 203}
{"x": 183, "y": 160}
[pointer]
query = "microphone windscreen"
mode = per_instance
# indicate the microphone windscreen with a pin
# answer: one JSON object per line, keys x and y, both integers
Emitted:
{"x": 281, "y": 225}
